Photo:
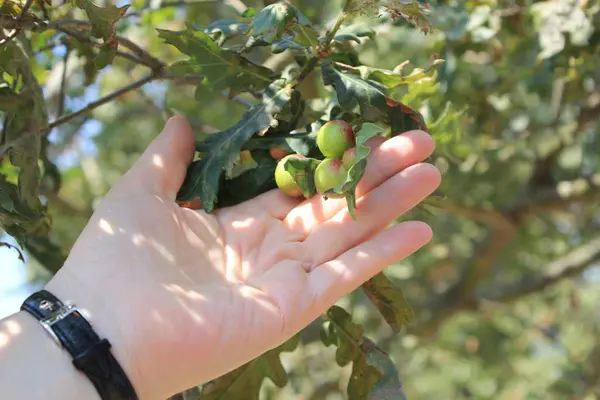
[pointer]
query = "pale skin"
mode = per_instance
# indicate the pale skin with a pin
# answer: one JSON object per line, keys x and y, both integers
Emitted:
{"x": 185, "y": 297}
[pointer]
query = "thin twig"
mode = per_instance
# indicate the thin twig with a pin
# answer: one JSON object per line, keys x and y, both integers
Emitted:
{"x": 166, "y": 4}
{"x": 44, "y": 11}
{"x": 64, "y": 23}
{"x": 63, "y": 26}
{"x": 103, "y": 100}
{"x": 155, "y": 75}
{"x": 152, "y": 61}
{"x": 324, "y": 47}
{"x": 25, "y": 9}
{"x": 131, "y": 57}
{"x": 63, "y": 84}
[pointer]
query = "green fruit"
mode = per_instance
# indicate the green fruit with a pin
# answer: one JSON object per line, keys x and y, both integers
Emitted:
{"x": 334, "y": 138}
{"x": 284, "y": 179}
{"x": 349, "y": 157}
{"x": 328, "y": 175}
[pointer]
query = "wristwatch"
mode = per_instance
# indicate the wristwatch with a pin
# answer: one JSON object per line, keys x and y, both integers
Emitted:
{"x": 91, "y": 355}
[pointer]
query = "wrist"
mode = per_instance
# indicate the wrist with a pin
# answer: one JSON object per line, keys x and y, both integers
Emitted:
{"x": 33, "y": 366}
{"x": 104, "y": 318}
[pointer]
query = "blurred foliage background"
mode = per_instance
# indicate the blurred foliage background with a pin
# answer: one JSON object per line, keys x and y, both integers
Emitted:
{"x": 506, "y": 297}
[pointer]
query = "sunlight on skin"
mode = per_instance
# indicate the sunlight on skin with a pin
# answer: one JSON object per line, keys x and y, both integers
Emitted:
{"x": 241, "y": 224}
{"x": 186, "y": 299}
{"x": 13, "y": 328}
{"x": 4, "y": 339}
{"x": 141, "y": 241}
{"x": 105, "y": 226}
{"x": 190, "y": 294}
{"x": 156, "y": 316}
{"x": 9, "y": 329}
{"x": 158, "y": 161}
{"x": 138, "y": 239}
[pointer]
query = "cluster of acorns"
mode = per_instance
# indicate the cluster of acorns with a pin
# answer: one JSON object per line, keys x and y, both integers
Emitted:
{"x": 336, "y": 141}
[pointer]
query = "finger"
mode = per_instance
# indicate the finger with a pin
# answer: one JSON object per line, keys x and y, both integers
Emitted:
{"x": 375, "y": 211}
{"x": 162, "y": 167}
{"x": 387, "y": 158}
{"x": 336, "y": 278}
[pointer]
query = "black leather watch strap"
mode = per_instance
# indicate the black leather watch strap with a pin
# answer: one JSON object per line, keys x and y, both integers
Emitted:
{"x": 91, "y": 355}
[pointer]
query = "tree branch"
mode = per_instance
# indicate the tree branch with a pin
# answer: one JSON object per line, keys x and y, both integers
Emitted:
{"x": 571, "y": 264}
{"x": 557, "y": 197}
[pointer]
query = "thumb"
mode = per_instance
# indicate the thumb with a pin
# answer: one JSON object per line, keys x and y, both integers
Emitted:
{"x": 162, "y": 167}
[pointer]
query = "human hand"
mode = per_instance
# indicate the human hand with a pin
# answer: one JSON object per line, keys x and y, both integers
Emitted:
{"x": 186, "y": 297}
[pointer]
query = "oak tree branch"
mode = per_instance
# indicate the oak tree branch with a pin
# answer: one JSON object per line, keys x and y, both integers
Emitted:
{"x": 571, "y": 264}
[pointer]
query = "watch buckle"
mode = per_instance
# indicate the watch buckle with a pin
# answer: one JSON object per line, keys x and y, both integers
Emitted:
{"x": 60, "y": 314}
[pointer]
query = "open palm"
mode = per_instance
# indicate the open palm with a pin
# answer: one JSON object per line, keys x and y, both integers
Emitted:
{"x": 185, "y": 296}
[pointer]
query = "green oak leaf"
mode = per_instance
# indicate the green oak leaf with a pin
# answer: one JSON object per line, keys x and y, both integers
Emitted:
{"x": 411, "y": 11}
{"x": 354, "y": 32}
{"x": 6, "y": 202}
{"x": 106, "y": 54}
{"x": 351, "y": 91}
{"x": 245, "y": 382}
{"x": 250, "y": 183}
{"x": 374, "y": 105}
{"x": 357, "y": 170}
{"x": 85, "y": 51}
{"x": 224, "y": 29}
{"x": 374, "y": 375}
{"x": 286, "y": 42}
{"x": 303, "y": 172}
{"x": 306, "y": 35}
{"x": 221, "y": 68}
{"x": 46, "y": 252}
{"x": 219, "y": 150}
{"x": 389, "y": 300}
{"x": 391, "y": 79}
{"x": 241, "y": 164}
{"x": 13, "y": 208}
{"x": 30, "y": 116}
{"x": 103, "y": 19}
{"x": 343, "y": 333}
{"x": 272, "y": 21}
{"x": 402, "y": 118}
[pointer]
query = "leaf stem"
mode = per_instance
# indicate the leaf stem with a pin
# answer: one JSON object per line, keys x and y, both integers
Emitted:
{"x": 346, "y": 66}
